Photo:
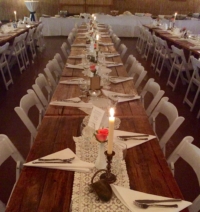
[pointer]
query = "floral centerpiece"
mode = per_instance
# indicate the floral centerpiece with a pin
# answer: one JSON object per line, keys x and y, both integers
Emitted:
{"x": 101, "y": 136}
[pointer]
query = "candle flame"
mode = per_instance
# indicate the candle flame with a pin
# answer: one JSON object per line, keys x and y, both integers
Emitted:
{"x": 95, "y": 17}
{"x": 97, "y": 37}
{"x": 112, "y": 112}
{"x": 175, "y": 14}
{"x": 15, "y": 12}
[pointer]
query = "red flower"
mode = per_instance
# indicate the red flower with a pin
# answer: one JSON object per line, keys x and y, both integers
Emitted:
{"x": 102, "y": 135}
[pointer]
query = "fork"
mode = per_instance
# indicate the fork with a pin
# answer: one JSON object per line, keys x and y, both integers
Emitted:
{"x": 132, "y": 138}
{"x": 121, "y": 96}
{"x": 145, "y": 206}
{"x": 54, "y": 160}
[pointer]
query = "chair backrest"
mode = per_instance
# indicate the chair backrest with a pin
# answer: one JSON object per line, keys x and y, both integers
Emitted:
{"x": 29, "y": 37}
{"x": 42, "y": 89}
{"x": 70, "y": 39}
{"x": 7, "y": 149}
{"x": 64, "y": 48}
{"x": 153, "y": 88}
{"x": 129, "y": 62}
{"x": 191, "y": 154}
{"x": 51, "y": 78}
{"x": 117, "y": 42}
{"x": 179, "y": 56}
{"x": 2, "y": 54}
{"x": 27, "y": 102}
{"x": 138, "y": 73}
{"x": 59, "y": 60}
{"x": 174, "y": 120}
{"x": 122, "y": 50}
{"x": 196, "y": 73}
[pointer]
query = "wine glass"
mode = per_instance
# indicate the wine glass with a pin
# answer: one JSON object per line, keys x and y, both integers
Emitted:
{"x": 84, "y": 87}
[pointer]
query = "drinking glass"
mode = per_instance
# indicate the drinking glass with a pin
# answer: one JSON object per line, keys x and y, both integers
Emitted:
{"x": 84, "y": 87}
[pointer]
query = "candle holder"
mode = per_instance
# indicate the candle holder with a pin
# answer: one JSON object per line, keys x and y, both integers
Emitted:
{"x": 108, "y": 176}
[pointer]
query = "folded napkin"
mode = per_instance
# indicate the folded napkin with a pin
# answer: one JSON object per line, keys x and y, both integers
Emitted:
{"x": 105, "y": 44}
{"x": 75, "y": 165}
{"x": 74, "y": 81}
{"x": 116, "y": 80}
{"x": 71, "y": 104}
{"x": 79, "y": 45}
{"x": 76, "y": 56}
{"x": 124, "y": 98}
{"x": 131, "y": 143}
{"x": 78, "y": 66}
{"x": 112, "y": 55}
{"x": 127, "y": 196}
{"x": 114, "y": 65}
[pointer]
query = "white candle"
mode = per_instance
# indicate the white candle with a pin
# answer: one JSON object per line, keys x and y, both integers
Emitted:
{"x": 97, "y": 39}
{"x": 175, "y": 16}
{"x": 15, "y": 13}
{"x": 95, "y": 18}
{"x": 111, "y": 131}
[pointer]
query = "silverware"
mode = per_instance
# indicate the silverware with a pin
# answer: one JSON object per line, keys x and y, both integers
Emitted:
{"x": 133, "y": 138}
{"x": 145, "y": 206}
{"x": 69, "y": 100}
{"x": 149, "y": 201}
{"x": 127, "y": 96}
{"x": 54, "y": 160}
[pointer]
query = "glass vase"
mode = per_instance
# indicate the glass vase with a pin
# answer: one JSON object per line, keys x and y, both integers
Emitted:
{"x": 100, "y": 162}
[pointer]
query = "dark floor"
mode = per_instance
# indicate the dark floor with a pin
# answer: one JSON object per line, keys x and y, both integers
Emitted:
{"x": 12, "y": 126}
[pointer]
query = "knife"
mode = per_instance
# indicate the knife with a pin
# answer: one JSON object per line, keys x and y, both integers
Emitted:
{"x": 133, "y": 136}
{"x": 149, "y": 201}
{"x": 122, "y": 96}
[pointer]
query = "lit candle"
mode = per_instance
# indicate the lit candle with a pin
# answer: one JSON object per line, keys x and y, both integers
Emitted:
{"x": 97, "y": 39}
{"x": 95, "y": 18}
{"x": 175, "y": 16}
{"x": 111, "y": 131}
{"x": 15, "y": 13}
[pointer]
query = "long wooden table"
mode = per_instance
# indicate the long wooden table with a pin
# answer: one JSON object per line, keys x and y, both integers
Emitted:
{"x": 41, "y": 189}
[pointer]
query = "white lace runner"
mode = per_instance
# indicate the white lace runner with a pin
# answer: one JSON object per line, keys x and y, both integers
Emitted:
{"x": 82, "y": 199}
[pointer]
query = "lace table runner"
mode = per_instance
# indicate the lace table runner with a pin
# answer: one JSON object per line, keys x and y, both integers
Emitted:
{"x": 82, "y": 199}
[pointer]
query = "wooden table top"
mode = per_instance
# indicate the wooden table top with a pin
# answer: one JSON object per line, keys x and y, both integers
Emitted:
{"x": 11, "y": 35}
{"x": 175, "y": 40}
{"x": 41, "y": 189}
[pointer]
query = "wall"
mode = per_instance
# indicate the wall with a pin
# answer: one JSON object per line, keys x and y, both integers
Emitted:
{"x": 51, "y": 7}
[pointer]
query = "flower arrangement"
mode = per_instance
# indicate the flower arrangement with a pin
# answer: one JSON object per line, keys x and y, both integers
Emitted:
{"x": 101, "y": 135}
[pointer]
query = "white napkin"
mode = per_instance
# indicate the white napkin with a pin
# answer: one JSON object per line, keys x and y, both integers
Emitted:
{"x": 127, "y": 196}
{"x": 119, "y": 79}
{"x": 76, "y": 165}
{"x": 110, "y": 94}
{"x": 78, "y": 66}
{"x": 105, "y": 44}
{"x": 74, "y": 81}
{"x": 75, "y": 56}
{"x": 71, "y": 104}
{"x": 79, "y": 45}
{"x": 131, "y": 143}
{"x": 114, "y": 65}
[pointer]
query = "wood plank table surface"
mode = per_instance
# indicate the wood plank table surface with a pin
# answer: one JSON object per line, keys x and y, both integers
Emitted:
{"x": 172, "y": 39}
{"x": 42, "y": 190}
{"x": 9, "y": 37}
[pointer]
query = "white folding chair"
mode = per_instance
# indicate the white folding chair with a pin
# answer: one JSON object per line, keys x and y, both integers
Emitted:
{"x": 16, "y": 51}
{"x": 70, "y": 39}
{"x": 65, "y": 50}
{"x": 122, "y": 50}
{"x": 27, "y": 102}
{"x": 174, "y": 120}
{"x": 59, "y": 60}
{"x": 149, "y": 45}
{"x": 195, "y": 80}
{"x": 30, "y": 43}
{"x": 155, "y": 51}
{"x": 153, "y": 88}
{"x": 138, "y": 73}
{"x": 4, "y": 67}
{"x": 179, "y": 67}
{"x": 55, "y": 70}
{"x": 24, "y": 49}
{"x": 51, "y": 78}
{"x": 38, "y": 38}
{"x": 43, "y": 90}
{"x": 165, "y": 56}
{"x": 191, "y": 155}
{"x": 7, "y": 150}
{"x": 129, "y": 62}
